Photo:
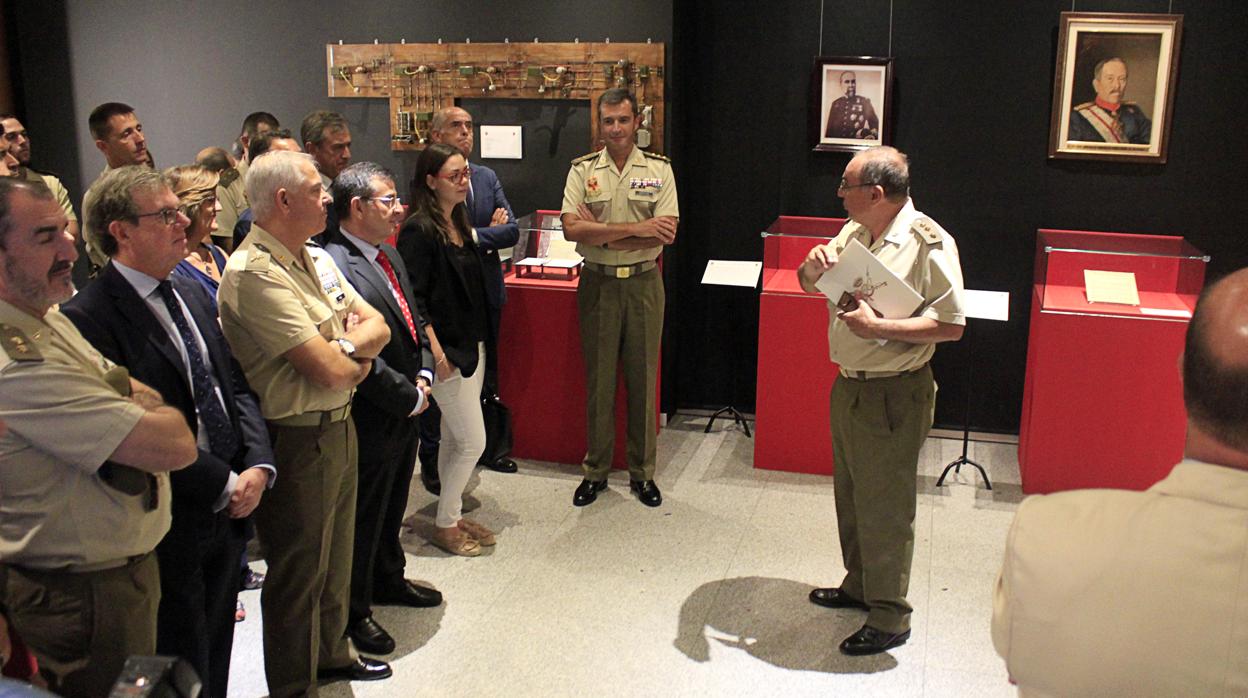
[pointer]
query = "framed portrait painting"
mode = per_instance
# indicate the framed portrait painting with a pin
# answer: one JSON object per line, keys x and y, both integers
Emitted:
{"x": 851, "y": 103}
{"x": 1113, "y": 90}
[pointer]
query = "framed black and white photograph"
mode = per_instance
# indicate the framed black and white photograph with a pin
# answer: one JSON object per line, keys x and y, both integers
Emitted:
{"x": 1113, "y": 89}
{"x": 851, "y": 103}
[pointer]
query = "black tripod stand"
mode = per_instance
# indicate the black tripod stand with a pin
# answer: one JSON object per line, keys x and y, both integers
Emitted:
{"x": 957, "y": 463}
{"x": 728, "y": 411}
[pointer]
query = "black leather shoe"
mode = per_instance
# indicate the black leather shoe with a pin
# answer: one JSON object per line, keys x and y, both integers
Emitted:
{"x": 362, "y": 669}
{"x": 503, "y": 465}
{"x": 429, "y": 473}
{"x": 646, "y": 491}
{"x": 868, "y": 640}
{"x": 587, "y": 492}
{"x": 409, "y": 594}
{"x": 833, "y": 597}
{"x": 368, "y": 636}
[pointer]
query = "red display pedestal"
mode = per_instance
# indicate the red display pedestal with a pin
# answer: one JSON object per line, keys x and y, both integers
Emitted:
{"x": 1102, "y": 402}
{"x": 541, "y": 373}
{"x": 795, "y": 376}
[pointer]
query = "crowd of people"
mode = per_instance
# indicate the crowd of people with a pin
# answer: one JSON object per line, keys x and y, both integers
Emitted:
{"x": 274, "y": 343}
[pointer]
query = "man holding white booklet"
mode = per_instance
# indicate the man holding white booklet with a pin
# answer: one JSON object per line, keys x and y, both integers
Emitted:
{"x": 887, "y": 310}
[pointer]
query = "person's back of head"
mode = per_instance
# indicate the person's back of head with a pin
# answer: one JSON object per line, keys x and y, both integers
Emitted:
{"x": 214, "y": 158}
{"x": 1215, "y": 368}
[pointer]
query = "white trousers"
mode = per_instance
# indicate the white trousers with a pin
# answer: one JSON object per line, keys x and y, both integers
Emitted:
{"x": 463, "y": 437}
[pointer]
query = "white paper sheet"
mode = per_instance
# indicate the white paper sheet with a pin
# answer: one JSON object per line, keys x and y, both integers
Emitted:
{"x": 501, "y": 142}
{"x": 722, "y": 272}
{"x": 987, "y": 305}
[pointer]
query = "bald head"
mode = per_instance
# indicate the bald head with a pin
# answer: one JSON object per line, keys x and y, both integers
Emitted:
{"x": 889, "y": 168}
{"x": 453, "y": 126}
{"x": 214, "y": 158}
{"x": 1215, "y": 362}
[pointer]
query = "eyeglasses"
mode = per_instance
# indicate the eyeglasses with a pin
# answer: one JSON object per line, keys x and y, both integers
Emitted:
{"x": 457, "y": 176}
{"x": 845, "y": 186}
{"x": 168, "y": 216}
{"x": 391, "y": 201}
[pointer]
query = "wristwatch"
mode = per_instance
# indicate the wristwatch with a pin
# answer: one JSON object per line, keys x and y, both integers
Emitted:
{"x": 347, "y": 347}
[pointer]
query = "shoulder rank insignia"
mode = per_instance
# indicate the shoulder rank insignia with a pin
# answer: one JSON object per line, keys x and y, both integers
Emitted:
{"x": 258, "y": 258}
{"x": 656, "y": 156}
{"x": 928, "y": 229}
{"x": 17, "y": 345}
{"x": 585, "y": 158}
{"x": 228, "y": 177}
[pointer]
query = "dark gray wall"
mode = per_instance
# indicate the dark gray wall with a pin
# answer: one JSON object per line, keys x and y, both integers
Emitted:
{"x": 193, "y": 70}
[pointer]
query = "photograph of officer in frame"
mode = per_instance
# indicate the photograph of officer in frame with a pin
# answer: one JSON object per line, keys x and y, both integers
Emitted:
{"x": 1114, "y": 86}
{"x": 850, "y": 103}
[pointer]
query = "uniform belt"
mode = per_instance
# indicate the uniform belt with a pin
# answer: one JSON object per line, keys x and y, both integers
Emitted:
{"x": 872, "y": 375}
{"x": 84, "y": 568}
{"x": 622, "y": 271}
{"x": 314, "y": 419}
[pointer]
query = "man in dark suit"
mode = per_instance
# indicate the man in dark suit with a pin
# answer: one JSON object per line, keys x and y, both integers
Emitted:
{"x": 164, "y": 329}
{"x": 493, "y": 228}
{"x": 386, "y": 403}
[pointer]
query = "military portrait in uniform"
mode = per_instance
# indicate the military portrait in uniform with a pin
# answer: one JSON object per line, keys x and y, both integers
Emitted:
{"x": 850, "y": 103}
{"x": 1114, "y": 86}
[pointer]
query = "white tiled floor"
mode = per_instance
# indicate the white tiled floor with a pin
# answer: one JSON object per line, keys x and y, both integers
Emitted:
{"x": 705, "y": 595}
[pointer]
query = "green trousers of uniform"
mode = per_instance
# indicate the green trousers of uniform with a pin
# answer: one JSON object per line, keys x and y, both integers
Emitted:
{"x": 82, "y": 626}
{"x": 306, "y": 525}
{"x": 621, "y": 324}
{"x": 878, "y": 427}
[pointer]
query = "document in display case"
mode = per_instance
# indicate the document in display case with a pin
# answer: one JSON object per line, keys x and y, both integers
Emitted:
{"x": 795, "y": 376}
{"x": 1102, "y": 402}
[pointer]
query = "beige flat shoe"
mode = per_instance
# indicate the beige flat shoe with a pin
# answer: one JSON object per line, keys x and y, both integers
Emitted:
{"x": 480, "y": 533}
{"x": 456, "y": 542}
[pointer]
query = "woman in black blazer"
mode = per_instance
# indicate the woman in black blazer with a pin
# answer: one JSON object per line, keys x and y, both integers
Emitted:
{"x": 448, "y": 283}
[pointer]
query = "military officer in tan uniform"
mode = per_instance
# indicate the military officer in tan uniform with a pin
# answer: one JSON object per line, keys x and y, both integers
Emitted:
{"x": 118, "y": 135}
{"x": 230, "y": 191}
{"x": 305, "y": 339}
{"x": 619, "y": 206}
{"x": 882, "y": 402}
{"x": 84, "y": 497}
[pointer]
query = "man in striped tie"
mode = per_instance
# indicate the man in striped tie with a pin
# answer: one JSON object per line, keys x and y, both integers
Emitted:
{"x": 387, "y": 402}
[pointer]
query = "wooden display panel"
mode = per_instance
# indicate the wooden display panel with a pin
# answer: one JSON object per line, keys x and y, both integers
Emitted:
{"x": 419, "y": 79}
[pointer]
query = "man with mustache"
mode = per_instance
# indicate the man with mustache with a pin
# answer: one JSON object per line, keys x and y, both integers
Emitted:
{"x": 84, "y": 494}
{"x": 1108, "y": 119}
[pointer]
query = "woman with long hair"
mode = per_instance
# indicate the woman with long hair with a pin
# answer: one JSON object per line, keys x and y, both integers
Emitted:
{"x": 448, "y": 282}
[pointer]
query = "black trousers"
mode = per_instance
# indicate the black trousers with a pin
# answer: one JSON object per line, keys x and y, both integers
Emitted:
{"x": 386, "y": 464}
{"x": 200, "y": 562}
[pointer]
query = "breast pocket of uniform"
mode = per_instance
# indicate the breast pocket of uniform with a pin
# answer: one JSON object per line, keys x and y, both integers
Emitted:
{"x": 323, "y": 317}
{"x": 597, "y": 202}
{"x": 641, "y": 202}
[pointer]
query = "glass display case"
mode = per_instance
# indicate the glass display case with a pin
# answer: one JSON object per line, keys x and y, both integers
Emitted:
{"x": 1167, "y": 271}
{"x": 541, "y": 252}
{"x": 1102, "y": 400}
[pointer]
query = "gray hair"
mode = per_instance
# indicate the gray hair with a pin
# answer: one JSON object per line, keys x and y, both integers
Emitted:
{"x": 440, "y": 117}
{"x": 8, "y": 185}
{"x": 276, "y": 169}
{"x": 888, "y": 168}
{"x": 113, "y": 200}
{"x": 356, "y": 180}
{"x": 314, "y": 126}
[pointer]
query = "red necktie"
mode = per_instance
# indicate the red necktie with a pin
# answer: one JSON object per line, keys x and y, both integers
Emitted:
{"x": 384, "y": 261}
